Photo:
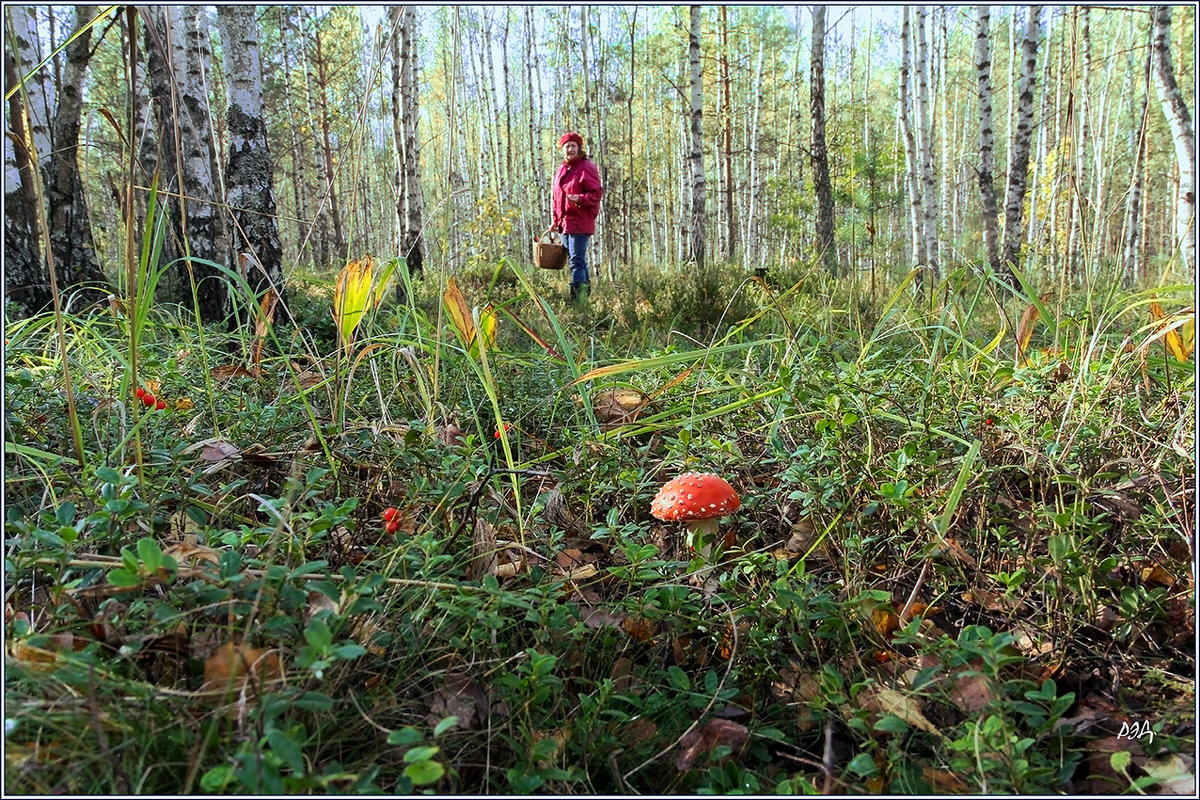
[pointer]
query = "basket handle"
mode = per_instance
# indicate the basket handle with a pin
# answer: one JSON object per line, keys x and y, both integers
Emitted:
{"x": 550, "y": 235}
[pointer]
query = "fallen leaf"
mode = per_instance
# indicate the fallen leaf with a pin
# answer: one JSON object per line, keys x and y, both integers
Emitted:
{"x": 972, "y": 692}
{"x": 227, "y": 371}
{"x": 231, "y": 667}
{"x": 189, "y": 552}
{"x": 944, "y": 782}
{"x": 1156, "y": 574}
{"x": 885, "y": 700}
{"x": 460, "y": 697}
{"x": 639, "y": 629}
{"x": 715, "y": 732}
{"x": 1172, "y": 774}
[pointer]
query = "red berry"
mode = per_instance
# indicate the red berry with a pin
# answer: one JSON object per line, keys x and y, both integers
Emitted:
{"x": 390, "y": 514}
{"x": 393, "y": 526}
{"x": 160, "y": 405}
{"x": 140, "y": 393}
{"x": 148, "y": 400}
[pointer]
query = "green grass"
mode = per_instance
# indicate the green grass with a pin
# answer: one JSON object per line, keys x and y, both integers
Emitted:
{"x": 531, "y": 628}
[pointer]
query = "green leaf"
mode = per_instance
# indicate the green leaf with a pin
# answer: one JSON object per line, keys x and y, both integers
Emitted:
{"x": 313, "y": 701}
{"x": 862, "y": 764}
{"x": 349, "y": 651}
{"x": 120, "y": 577}
{"x": 217, "y": 779}
{"x": 149, "y": 553}
{"x": 65, "y": 514}
{"x": 424, "y": 772}
{"x": 423, "y": 753}
{"x": 678, "y": 679}
{"x": 317, "y": 634}
{"x": 890, "y": 723}
{"x": 287, "y": 749}
{"x": 404, "y": 736}
{"x": 445, "y": 725}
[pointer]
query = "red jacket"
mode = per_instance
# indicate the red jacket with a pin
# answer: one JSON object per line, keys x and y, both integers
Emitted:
{"x": 579, "y": 177}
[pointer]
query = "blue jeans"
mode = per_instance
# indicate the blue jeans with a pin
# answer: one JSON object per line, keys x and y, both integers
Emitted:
{"x": 576, "y": 244}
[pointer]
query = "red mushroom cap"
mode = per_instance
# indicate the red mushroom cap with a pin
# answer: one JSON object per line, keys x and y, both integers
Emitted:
{"x": 695, "y": 496}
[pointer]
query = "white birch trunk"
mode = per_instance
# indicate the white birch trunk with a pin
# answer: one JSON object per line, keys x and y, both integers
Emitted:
{"x": 987, "y": 137}
{"x": 1014, "y": 198}
{"x": 929, "y": 197}
{"x": 1179, "y": 118}
{"x": 249, "y": 188}
{"x": 696, "y": 237}
{"x": 911, "y": 158}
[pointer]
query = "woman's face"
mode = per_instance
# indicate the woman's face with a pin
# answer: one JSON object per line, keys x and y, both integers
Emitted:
{"x": 571, "y": 150}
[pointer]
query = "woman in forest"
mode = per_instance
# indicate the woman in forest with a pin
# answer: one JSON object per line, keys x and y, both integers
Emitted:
{"x": 574, "y": 203}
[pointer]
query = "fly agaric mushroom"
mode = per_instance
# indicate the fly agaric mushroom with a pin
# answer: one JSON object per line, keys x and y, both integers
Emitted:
{"x": 698, "y": 500}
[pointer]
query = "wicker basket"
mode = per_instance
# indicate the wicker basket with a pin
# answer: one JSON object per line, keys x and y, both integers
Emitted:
{"x": 548, "y": 251}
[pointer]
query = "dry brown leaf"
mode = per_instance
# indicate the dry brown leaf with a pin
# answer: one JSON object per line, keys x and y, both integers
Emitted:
{"x": 957, "y": 553}
{"x": 614, "y": 407}
{"x": 992, "y": 601}
{"x": 231, "y": 667}
{"x": 1173, "y": 773}
{"x": 186, "y": 551}
{"x": 713, "y": 733}
{"x": 885, "y": 700}
{"x": 217, "y": 449}
{"x": 227, "y": 371}
{"x": 1100, "y": 777}
{"x": 1157, "y": 575}
{"x": 484, "y": 560}
{"x": 459, "y": 697}
{"x": 944, "y": 782}
{"x": 1025, "y": 327}
{"x": 637, "y": 731}
{"x": 972, "y": 692}
{"x": 639, "y": 629}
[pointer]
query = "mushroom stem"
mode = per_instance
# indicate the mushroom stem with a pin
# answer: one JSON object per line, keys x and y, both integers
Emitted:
{"x": 701, "y": 534}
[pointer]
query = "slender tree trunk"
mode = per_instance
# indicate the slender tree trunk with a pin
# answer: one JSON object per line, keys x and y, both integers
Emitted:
{"x": 322, "y": 78}
{"x": 50, "y": 121}
{"x": 696, "y": 156}
{"x": 288, "y": 31}
{"x": 730, "y": 220}
{"x": 248, "y": 176}
{"x": 412, "y": 247}
{"x": 1015, "y": 196}
{"x": 820, "y": 158}
{"x": 1081, "y": 134}
{"x": 987, "y": 138}
{"x": 202, "y": 222}
{"x": 1180, "y": 120}
{"x": 911, "y": 155}
{"x": 753, "y": 238}
{"x": 1131, "y": 257}
{"x": 929, "y": 204}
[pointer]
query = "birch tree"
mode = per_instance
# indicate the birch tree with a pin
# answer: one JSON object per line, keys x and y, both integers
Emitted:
{"x": 1014, "y": 198}
{"x": 911, "y": 158}
{"x": 248, "y": 185}
{"x": 42, "y": 171}
{"x": 178, "y": 54}
{"x": 696, "y": 154}
{"x": 987, "y": 137}
{"x": 405, "y": 108}
{"x": 820, "y": 158}
{"x": 1131, "y": 254}
{"x": 1180, "y": 120}
{"x": 929, "y": 196}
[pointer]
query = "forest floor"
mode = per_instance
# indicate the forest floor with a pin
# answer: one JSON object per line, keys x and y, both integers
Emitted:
{"x": 426, "y": 560}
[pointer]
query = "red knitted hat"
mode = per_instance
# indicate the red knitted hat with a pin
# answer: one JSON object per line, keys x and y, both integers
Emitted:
{"x": 571, "y": 137}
